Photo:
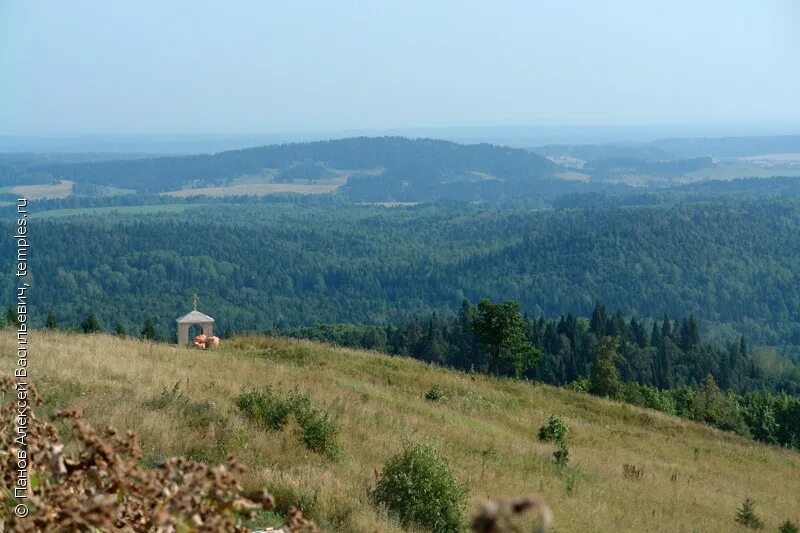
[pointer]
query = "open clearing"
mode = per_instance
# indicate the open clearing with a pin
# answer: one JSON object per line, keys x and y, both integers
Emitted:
{"x": 261, "y": 189}
{"x": 40, "y": 192}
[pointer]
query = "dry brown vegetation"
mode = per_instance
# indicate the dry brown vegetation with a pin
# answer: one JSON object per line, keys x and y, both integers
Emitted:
{"x": 261, "y": 189}
{"x": 696, "y": 477}
{"x": 62, "y": 189}
{"x": 100, "y": 484}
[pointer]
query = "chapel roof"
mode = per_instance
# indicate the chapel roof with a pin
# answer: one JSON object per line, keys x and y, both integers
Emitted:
{"x": 195, "y": 316}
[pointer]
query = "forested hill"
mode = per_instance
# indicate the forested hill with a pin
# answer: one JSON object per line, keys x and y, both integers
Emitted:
{"x": 733, "y": 266}
{"x": 680, "y": 148}
{"x": 413, "y": 161}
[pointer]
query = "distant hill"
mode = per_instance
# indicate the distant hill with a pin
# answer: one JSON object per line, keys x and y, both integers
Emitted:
{"x": 678, "y": 148}
{"x": 411, "y": 168}
{"x": 723, "y": 147}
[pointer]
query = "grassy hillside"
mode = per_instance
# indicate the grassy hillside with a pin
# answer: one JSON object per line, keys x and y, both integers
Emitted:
{"x": 485, "y": 427}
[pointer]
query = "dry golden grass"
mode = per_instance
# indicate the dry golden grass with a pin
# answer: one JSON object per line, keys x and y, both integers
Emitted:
{"x": 485, "y": 427}
{"x": 261, "y": 189}
{"x": 61, "y": 189}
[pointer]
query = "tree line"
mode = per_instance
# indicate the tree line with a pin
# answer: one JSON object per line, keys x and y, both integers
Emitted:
{"x": 663, "y": 365}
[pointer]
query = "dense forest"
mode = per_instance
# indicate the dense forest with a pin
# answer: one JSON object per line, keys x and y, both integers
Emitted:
{"x": 565, "y": 195}
{"x": 283, "y": 264}
{"x": 663, "y": 353}
{"x": 701, "y": 191}
{"x": 609, "y": 167}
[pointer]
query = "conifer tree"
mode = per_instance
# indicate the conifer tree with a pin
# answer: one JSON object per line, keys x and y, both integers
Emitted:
{"x": 149, "y": 330}
{"x": 11, "y": 316}
{"x": 91, "y": 324}
{"x": 604, "y": 377}
{"x": 655, "y": 336}
{"x": 746, "y": 515}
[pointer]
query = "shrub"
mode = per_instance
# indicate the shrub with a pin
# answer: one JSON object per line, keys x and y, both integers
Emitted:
{"x": 418, "y": 487}
{"x": 683, "y": 399}
{"x": 289, "y": 494}
{"x": 272, "y": 411}
{"x": 655, "y": 399}
{"x": 554, "y": 430}
{"x": 648, "y": 396}
{"x": 561, "y": 453}
{"x": 265, "y": 408}
{"x": 434, "y": 394}
{"x": 91, "y": 324}
{"x": 579, "y": 385}
{"x": 571, "y": 483}
{"x": 788, "y": 527}
{"x": 320, "y": 431}
{"x": 746, "y": 515}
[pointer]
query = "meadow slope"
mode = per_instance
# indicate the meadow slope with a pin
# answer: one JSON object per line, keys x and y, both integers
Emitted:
{"x": 485, "y": 427}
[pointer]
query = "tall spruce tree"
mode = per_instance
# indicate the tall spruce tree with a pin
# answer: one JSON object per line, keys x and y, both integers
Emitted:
{"x": 149, "y": 330}
{"x": 51, "y": 322}
{"x": 604, "y": 377}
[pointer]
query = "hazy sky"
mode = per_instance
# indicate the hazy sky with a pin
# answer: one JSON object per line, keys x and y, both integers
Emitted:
{"x": 268, "y": 66}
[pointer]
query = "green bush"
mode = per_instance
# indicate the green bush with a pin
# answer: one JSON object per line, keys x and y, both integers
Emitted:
{"x": 788, "y": 527}
{"x": 262, "y": 520}
{"x": 418, "y": 488}
{"x": 264, "y": 408}
{"x": 434, "y": 394}
{"x": 648, "y": 396}
{"x": 655, "y": 399}
{"x": 554, "y": 430}
{"x": 91, "y": 324}
{"x": 272, "y": 410}
{"x": 579, "y": 385}
{"x": 320, "y": 431}
{"x": 290, "y": 495}
{"x": 561, "y": 453}
{"x": 718, "y": 409}
{"x": 746, "y": 515}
